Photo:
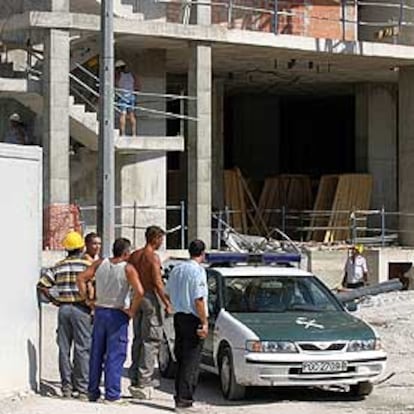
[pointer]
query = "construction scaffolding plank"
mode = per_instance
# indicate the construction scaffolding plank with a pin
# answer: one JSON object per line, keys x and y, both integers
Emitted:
{"x": 353, "y": 193}
{"x": 323, "y": 202}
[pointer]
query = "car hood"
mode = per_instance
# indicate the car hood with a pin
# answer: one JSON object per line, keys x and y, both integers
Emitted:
{"x": 306, "y": 326}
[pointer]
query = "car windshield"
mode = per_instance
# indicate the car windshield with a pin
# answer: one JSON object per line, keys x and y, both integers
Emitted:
{"x": 277, "y": 294}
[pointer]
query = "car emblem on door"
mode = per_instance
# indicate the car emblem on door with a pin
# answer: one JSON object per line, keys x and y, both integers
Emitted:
{"x": 308, "y": 323}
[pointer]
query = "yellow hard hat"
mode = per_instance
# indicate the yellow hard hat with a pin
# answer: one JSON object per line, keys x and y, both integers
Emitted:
{"x": 359, "y": 248}
{"x": 73, "y": 241}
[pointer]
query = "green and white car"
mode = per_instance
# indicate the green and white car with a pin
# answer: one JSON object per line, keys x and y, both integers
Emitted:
{"x": 272, "y": 324}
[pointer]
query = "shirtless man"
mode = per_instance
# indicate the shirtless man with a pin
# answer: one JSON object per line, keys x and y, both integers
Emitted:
{"x": 147, "y": 322}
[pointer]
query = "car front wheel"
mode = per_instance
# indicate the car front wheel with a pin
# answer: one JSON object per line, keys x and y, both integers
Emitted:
{"x": 229, "y": 387}
{"x": 362, "y": 389}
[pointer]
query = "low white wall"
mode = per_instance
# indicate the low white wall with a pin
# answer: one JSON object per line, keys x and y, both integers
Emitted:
{"x": 20, "y": 255}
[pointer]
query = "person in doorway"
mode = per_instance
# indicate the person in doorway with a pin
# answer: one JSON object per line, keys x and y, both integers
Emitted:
{"x": 114, "y": 278}
{"x": 148, "y": 321}
{"x": 356, "y": 269}
{"x": 93, "y": 245}
{"x": 74, "y": 317}
{"x": 187, "y": 289}
{"x": 16, "y": 133}
{"x": 127, "y": 84}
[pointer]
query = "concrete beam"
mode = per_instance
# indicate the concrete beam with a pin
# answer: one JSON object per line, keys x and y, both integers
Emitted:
{"x": 210, "y": 33}
{"x": 133, "y": 144}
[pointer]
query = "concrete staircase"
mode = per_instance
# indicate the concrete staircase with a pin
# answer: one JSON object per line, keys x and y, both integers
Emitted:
{"x": 121, "y": 8}
{"x": 84, "y": 126}
{"x": 82, "y": 50}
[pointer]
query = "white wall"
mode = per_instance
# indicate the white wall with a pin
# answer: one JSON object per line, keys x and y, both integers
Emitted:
{"x": 20, "y": 254}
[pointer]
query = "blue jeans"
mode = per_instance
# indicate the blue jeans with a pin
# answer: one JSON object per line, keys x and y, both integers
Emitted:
{"x": 108, "y": 352}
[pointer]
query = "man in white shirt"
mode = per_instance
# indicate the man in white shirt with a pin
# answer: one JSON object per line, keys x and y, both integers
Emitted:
{"x": 356, "y": 269}
{"x": 126, "y": 83}
{"x": 187, "y": 289}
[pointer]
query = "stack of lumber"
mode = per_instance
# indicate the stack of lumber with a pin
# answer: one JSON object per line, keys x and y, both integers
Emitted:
{"x": 294, "y": 192}
{"x": 340, "y": 195}
{"x": 352, "y": 193}
{"x": 234, "y": 199}
{"x": 245, "y": 216}
{"x": 323, "y": 202}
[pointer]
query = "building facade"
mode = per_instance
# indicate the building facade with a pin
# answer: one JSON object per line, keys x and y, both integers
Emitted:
{"x": 273, "y": 87}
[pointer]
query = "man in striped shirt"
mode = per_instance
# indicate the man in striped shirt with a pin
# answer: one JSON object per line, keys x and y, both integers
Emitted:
{"x": 74, "y": 317}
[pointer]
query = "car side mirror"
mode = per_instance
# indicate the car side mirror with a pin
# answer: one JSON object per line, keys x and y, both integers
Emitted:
{"x": 351, "y": 306}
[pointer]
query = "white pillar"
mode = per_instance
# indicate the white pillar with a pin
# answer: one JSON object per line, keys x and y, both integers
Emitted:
{"x": 199, "y": 144}
{"x": 56, "y": 116}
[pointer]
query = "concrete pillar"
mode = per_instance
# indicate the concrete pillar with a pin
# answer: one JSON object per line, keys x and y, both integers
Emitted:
{"x": 218, "y": 144}
{"x": 141, "y": 178}
{"x": 199, "y": 144}
{"x": 56, "y": 116}
{"x": 406, "y": 152}
{"x": 376, "y": 141}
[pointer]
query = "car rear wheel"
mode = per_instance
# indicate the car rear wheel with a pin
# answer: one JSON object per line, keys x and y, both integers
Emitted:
{"x": 229, "y": 387}
{"x": 166, "y": 363}
{"x": 362, "y": 389}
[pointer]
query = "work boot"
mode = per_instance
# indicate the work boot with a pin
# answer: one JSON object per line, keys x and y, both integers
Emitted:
{"x": 83, "y": 397}
{"x": 141, "y": 393}
{"x": 66, "y": 392}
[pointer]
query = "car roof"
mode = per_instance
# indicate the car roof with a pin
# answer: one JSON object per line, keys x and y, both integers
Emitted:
{"x": 257, "y": 271}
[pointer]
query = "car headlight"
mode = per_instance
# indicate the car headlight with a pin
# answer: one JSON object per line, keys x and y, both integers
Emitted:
{"x": 364, "y": 345}
{"x": 283, "y": 347}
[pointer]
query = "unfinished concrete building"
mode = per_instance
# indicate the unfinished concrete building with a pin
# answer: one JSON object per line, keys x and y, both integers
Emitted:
{"x": 313, "y": 87}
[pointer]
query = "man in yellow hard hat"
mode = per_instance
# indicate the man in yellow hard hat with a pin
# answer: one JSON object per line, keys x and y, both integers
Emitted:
{"x": 356, "y": 269}
{"x": 74, "y": 317}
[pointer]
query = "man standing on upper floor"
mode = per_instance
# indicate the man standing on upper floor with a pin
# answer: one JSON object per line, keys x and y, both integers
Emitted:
{"x": 148, "y": 321}
{"x": 126, "y": 84}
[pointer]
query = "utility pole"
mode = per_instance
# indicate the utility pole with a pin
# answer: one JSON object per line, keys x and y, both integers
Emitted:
{"x": 106, "y": 158}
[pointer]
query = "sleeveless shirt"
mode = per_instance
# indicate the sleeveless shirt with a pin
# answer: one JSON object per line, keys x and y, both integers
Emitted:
{"x": 112, "y": 287}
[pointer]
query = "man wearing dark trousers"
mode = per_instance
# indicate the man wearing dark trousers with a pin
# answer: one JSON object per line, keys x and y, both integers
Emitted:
{"x": 187, "y": 289}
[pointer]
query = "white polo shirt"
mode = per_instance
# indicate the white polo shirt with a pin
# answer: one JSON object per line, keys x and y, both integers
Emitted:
{"x": 355, "y": 269}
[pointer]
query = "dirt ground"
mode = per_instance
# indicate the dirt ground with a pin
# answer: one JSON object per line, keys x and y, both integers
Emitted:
{"x": 390, "y": 314}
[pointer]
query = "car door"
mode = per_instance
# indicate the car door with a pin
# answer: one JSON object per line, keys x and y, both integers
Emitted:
{"x": 214, "y": 300}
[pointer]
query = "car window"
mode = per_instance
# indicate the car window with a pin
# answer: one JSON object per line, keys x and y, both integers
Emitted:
{"x": 277, "y": 294}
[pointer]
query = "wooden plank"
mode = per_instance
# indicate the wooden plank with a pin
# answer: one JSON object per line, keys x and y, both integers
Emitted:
{"x": 259, "y": 225}
{"x": 353, "y": 192}
{"x": 323, "y": 202}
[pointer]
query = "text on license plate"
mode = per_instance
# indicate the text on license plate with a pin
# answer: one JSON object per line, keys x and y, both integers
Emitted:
{"x": 324, "y": 366}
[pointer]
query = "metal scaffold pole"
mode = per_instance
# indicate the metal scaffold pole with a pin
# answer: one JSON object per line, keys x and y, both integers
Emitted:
{"x": 106, "y": 157}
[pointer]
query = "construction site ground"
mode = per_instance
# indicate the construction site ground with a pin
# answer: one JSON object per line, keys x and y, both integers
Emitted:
{"x": 391, "y": 314}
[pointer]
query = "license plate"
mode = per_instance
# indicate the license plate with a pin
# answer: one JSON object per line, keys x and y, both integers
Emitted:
{"x": 324, "y": 366}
